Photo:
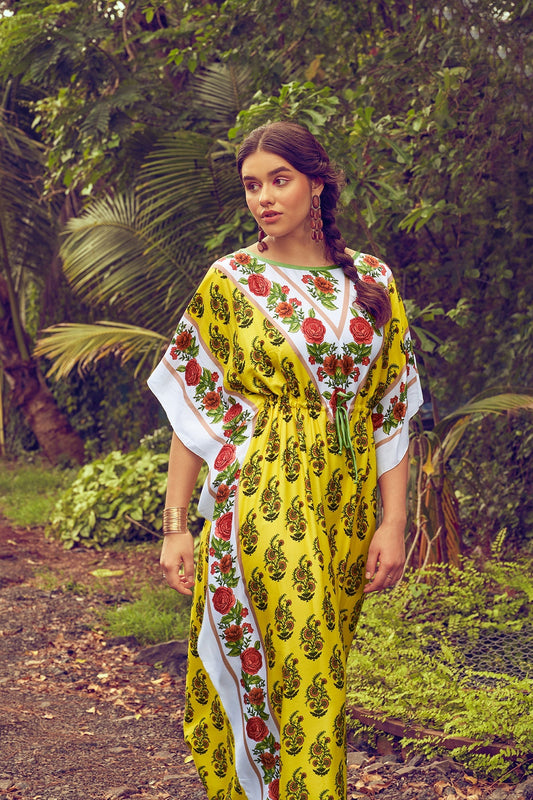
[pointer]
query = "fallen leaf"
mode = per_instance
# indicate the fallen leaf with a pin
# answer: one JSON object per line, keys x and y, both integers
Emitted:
{"x": 107, "y": 573}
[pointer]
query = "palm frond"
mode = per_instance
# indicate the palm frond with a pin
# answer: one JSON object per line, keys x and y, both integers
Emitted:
{"x": 76, "y": 346}
{"x": 189, "y": 177}
{"x": 222, "y": 90}
{"x": 451, "y": 428}
{"x": 111, "y": 260}
{"x": 24, "y": 216}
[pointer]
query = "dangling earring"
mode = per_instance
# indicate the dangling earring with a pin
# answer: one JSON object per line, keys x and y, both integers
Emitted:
{"x": 261, "y": 245}
{"x": 316, "y": 219}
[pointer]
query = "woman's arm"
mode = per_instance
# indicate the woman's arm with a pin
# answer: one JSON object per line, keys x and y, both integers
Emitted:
{"x": 386, "y": 555}
{"x": 177, "y": 555}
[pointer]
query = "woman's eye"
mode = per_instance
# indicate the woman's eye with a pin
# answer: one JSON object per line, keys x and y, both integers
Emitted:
{"x": 281, "y": 181}
{"x": 251, "y": 187}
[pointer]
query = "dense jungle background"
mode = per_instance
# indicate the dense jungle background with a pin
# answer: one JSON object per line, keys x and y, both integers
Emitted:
{"x": 118, "y": 129}
{"x": 119, "y": 124}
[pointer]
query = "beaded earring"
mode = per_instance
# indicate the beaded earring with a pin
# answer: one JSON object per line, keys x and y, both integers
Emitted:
{"x": 261, "y": 245}
{"x": 316, "y": 219}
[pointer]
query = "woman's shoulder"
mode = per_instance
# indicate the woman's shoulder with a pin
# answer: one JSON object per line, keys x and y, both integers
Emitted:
{"x": 232, "y": 260}
{"x": 370, "y": 267}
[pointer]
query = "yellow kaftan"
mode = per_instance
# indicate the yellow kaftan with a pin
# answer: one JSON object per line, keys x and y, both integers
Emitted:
{"x": 251, "y": 382}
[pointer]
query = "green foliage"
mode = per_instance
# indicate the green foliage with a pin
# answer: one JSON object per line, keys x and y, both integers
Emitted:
{"x": 119, "y": 497}
{"x": 437, "y": 532}
{"x": 107, "y": 405}
{"x": 158, "y": 441}
{"x": 158, "y": 615}
{"x": 493, "y": 476}
{"x": 304, "y": 103}
{"x": 28, "y": 491}
{"x": 429, "y": 656}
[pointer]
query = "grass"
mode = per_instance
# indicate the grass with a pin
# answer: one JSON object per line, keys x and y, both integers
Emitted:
{"x": 158, "y": 615}
{"x": 28, "y": 491}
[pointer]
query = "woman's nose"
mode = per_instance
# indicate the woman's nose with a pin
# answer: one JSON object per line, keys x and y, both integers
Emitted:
{"x": 265, "y": 196}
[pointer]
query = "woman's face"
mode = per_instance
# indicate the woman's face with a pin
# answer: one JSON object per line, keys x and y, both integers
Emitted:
{"x": 278, "y": 196}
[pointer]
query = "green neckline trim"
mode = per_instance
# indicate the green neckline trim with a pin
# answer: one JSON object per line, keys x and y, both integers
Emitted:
{"x": 291, "y": 266}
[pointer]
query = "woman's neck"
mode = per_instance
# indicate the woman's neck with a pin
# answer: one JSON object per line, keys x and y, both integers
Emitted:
{"x": 305, "y": 254}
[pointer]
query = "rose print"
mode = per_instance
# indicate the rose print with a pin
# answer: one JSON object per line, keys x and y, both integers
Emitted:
{"x": 212, "y": 400}
{"x": 256, "y": 696}
{"x": 323, "y": 285}
{"x": 251, "y": 660}
{"x": 399, "y": 411}
{"x": 223, "y": 526}
{"x": 313, "y": 330}
{"x": 193, "y": 373}
{"x": 242, "y": 258}
{"x": 233, "y": 633}
{"x": 377, "y": 421}
{"x": 256, "y": 729}
{"x": 259, "y": 285}
{"x": 371, "y": 261}
{"x": 225, "y": 457}
{"x": 223, "y": 493}
{"x": 284, "y": 310}
{"x": 183, "y": 340}
{"x": 223, "y": 599}
{"x": 361, "y": 330}
{"x": 232, "y": 412}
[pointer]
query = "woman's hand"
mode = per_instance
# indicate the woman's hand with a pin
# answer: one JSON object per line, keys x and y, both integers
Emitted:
{"x": 386, "y": 554}
{"x": 386, "y": 557}
{"x": 177, "y": 561}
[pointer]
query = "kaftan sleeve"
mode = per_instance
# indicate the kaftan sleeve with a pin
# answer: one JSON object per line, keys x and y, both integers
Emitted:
{"x": 401, "y": 391}
{"x": 189, "y": 380}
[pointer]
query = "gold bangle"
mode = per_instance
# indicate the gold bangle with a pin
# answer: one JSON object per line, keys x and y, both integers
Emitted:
{"x": 174, "y": 520}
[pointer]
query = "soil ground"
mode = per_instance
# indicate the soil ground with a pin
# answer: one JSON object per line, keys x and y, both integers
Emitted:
{"x": 80, "y": 719}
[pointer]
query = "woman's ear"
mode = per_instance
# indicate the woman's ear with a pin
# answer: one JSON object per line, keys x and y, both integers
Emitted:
{"x": 317, "y": 185}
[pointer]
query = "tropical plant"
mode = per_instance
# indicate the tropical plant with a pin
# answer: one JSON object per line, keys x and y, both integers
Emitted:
{"x": 138, "y": 254}
{"x": 117, "y": 498}
{"x": 454, "y": 677}
{"x": 436, "y": 530}
{"x": 27, "y": 236}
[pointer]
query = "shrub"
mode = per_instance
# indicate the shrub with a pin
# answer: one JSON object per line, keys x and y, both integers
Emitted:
{"x": 119, "y": 497}
{"x": 450, "y": 650}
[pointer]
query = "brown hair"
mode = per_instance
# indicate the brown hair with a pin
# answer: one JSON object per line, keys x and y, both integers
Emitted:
{"x": 299, "y": 147}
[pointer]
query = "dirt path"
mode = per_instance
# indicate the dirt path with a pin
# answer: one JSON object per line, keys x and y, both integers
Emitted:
{"x": 81, "y": 720}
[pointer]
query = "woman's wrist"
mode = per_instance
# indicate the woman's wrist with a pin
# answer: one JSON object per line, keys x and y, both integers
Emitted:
{"x": 175, "y": 520}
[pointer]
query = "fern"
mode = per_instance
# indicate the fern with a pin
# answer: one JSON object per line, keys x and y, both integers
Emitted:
{"x": 411, "y": 661}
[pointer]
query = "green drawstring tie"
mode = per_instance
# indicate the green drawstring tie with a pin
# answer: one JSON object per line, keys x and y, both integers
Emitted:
{"x": 342, "y": 424}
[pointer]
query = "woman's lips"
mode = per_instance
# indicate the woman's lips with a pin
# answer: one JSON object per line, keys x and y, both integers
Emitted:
{"x": 270, "y": 216}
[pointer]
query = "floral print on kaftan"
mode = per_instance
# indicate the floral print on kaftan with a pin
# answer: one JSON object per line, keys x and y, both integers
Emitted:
{"x": 251, "y": 383}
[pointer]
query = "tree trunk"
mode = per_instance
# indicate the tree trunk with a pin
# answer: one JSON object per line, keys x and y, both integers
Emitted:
{"x": 32, "y": 396}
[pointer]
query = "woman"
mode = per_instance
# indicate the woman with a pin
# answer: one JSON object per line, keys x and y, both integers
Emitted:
{"x": 292, "y": 375}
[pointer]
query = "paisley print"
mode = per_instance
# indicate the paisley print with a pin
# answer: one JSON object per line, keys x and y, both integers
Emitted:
{"x": 250, "y": 383}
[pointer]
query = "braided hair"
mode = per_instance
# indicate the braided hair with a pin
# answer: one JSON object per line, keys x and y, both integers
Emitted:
{"x": 299, "y": 147}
